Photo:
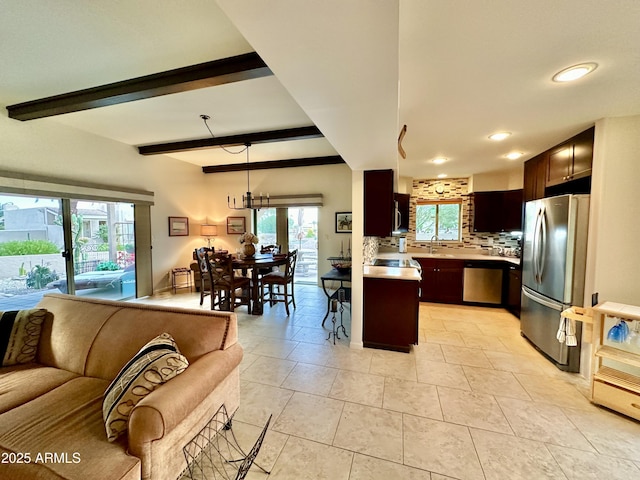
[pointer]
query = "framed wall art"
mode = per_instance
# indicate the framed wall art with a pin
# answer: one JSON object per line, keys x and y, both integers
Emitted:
{"x": 178, "y": 226}
{"x": 236, "y": 225}
{"x": 343, "y": 222}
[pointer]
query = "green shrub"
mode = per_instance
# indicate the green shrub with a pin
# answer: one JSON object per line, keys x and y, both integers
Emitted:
{"x": 28, "y": 247}
{"x": 103, "y": 247}
{"x": 39, "y": 276}
{"x": 107, "y": 266}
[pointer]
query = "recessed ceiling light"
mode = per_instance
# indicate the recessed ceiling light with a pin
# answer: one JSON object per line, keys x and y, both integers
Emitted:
{"x": 575, "y": 72}
{"x": 514, "y": 155}
{"x": 439, "y": 160}
{"x": 499, "y": 136}
{"x": 442, "y": 175}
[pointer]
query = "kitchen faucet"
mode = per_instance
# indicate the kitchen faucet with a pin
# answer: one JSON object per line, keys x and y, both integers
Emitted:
{"x": 431, "y": 243}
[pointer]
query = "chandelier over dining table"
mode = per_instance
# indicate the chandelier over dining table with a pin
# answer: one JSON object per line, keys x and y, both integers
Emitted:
{"x": 249, "y": 201}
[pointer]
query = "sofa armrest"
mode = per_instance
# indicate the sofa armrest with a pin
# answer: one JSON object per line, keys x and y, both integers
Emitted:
{"x": 163, "y": 409}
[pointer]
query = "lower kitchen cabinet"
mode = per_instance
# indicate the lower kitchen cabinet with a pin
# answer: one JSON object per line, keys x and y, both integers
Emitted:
{"x": 390, "y": 313}
{"x": 442, "y": 280}
{"x": 513, "y": 290}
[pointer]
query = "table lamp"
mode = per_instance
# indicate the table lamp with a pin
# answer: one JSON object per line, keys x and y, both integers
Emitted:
{"x": 208, "y": 231}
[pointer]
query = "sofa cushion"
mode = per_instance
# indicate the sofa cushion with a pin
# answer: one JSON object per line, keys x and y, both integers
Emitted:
{"x": 66, "y": 420}
{"x": 22, "y": 383}
{"x": 19, "y": 335}
{"x": 156, "y": 363}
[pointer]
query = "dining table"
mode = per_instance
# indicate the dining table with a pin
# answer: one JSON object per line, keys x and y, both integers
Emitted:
{"x": 255, "y": 263}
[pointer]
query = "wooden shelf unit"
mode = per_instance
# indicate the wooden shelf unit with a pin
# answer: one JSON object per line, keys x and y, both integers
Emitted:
{"x": 610, "y": 386}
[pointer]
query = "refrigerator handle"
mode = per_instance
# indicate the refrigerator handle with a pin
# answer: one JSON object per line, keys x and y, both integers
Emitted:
{"x": 541, "y": 300}
{"x": 543, "y": 243}
{"x": 534, "y": 249}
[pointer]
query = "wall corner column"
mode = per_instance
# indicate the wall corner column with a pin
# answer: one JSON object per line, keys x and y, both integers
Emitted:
{"x": 357, "y": 210}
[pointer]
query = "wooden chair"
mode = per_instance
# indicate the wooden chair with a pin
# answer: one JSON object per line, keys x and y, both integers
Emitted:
{"x": 234, "y": 290}
{"x": 273, "y": 249}
{"x": 281, "y": 279}
{"x": 269, "y": 248}
{"x": 206, "y": 283}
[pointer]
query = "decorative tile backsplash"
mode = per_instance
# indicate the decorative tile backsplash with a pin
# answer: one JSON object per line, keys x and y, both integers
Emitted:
{"x": 369, "y": 249}
{"x": 454, "y": 188}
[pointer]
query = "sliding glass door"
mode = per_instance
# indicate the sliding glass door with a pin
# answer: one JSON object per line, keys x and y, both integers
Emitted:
{"x": 31, "y": 239}
{"x": 102, "y": 249}
{"x": 292, "y": 228}
{"x": 303, "y": 236}
{"x": 70, "y": 246}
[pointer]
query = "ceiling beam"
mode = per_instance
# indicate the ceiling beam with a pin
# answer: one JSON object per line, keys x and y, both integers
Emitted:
{"x": 299, "y": 133}
{"x": 290, "y": 163}
{"x": 209, "y": 74}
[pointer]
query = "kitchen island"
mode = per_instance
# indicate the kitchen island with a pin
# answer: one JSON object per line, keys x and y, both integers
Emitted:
{"x": 391, "y": 303}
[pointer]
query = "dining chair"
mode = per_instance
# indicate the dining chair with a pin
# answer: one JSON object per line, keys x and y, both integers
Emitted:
{"x": 206, "y": 281}
{"x": 234, "y": 290}
{"x": 272, "y": 249}
{"x": 281, "y": 279}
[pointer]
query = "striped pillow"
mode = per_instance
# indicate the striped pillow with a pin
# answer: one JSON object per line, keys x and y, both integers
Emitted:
{"x": 155, "y": 364}
{"x": 19, "y": 335}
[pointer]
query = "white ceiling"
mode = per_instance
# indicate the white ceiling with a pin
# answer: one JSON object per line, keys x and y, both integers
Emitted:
{"x": 454, "y": 71}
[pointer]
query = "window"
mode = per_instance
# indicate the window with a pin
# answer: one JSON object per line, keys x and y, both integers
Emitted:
{"x": 439, "y": 218}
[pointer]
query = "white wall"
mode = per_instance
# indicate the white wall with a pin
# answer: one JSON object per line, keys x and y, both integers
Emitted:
{"x": 45, "y": 147}
{"x": 511, "y": 179}
{"x": 333, "y": 181}
{"x": 613, "y": 265}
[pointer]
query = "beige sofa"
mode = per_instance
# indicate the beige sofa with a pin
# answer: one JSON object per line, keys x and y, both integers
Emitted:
{"x": 51, "y": 410}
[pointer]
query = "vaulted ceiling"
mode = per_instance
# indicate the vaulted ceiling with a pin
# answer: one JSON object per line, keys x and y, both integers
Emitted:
{"x": 452, "y": 71}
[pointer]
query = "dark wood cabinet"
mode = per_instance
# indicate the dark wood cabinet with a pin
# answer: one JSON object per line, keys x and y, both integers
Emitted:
{"x": 486, "y": 205}
{"x": 570, "y": 160}
{"x": 499, "y": 211}
{"x": 442, "y": 280}
{"x": 390, "y": 316}
{"x": 402, "y": 214}
{"x": 513, "y": 290}
{"x": 379, "y": 207}
{"x": 565, "y": 168}
{"x": 534, "y": 178}
{"x": 513, "y": 209}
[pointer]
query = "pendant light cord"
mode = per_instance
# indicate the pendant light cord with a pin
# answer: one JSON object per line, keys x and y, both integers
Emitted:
{"x": 207, "y": 117}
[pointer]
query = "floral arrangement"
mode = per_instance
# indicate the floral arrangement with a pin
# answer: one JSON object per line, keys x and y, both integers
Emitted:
{"x": 248, "y": 237}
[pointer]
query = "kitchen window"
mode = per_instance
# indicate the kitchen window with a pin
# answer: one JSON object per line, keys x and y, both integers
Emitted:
{"x": 442, "y": 219}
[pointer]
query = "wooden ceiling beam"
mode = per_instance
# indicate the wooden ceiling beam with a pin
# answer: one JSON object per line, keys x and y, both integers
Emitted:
{"x": 298, "y": 133}
{"x": 289, "y": 163}
{"x": 209, "y": 74}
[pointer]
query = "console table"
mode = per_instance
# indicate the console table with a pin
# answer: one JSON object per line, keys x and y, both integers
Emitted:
{"x": 335, "y": 276}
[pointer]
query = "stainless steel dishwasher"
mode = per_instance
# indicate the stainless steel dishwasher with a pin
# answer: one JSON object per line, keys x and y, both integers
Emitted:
{"x": 483, "y": 283}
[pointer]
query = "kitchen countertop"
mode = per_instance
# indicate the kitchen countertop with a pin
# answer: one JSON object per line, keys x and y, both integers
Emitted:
{"x": 450, "y": 256}
{"x": 392, "y": 273}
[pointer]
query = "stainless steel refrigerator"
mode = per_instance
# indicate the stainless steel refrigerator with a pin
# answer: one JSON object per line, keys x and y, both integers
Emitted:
{"x": 553, "y": 267}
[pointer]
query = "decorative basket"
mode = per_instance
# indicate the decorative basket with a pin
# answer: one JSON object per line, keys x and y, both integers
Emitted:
{"x": 342, "y": 264}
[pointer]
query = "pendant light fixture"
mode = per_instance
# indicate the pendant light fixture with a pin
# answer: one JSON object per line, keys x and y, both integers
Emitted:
{"x": 249, "y": 201}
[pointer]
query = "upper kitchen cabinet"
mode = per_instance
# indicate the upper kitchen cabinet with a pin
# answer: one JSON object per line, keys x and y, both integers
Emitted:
{"x": 535, "y": 171}
{"x": 497, "y": 211}
{"x": 402, "y": 211}
{"x": 379, "y": 203}
{"x": 571, "y": 160}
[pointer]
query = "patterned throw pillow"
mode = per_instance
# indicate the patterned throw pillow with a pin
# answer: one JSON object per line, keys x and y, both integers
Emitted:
{"x": 19, "y": 335}
{"x": 156, "y": 363}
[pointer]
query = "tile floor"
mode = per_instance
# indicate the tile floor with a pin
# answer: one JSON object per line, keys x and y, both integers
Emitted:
{"x": 473, "y": 401}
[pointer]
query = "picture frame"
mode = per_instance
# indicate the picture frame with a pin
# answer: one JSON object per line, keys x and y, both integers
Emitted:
{"x": 236, "y": 225}
{"x": 344, "y": 222}
{"x": 178, "y": 226}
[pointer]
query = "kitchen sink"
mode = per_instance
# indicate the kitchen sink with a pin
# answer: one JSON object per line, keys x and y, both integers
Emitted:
{"x": 395, "y": 262}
